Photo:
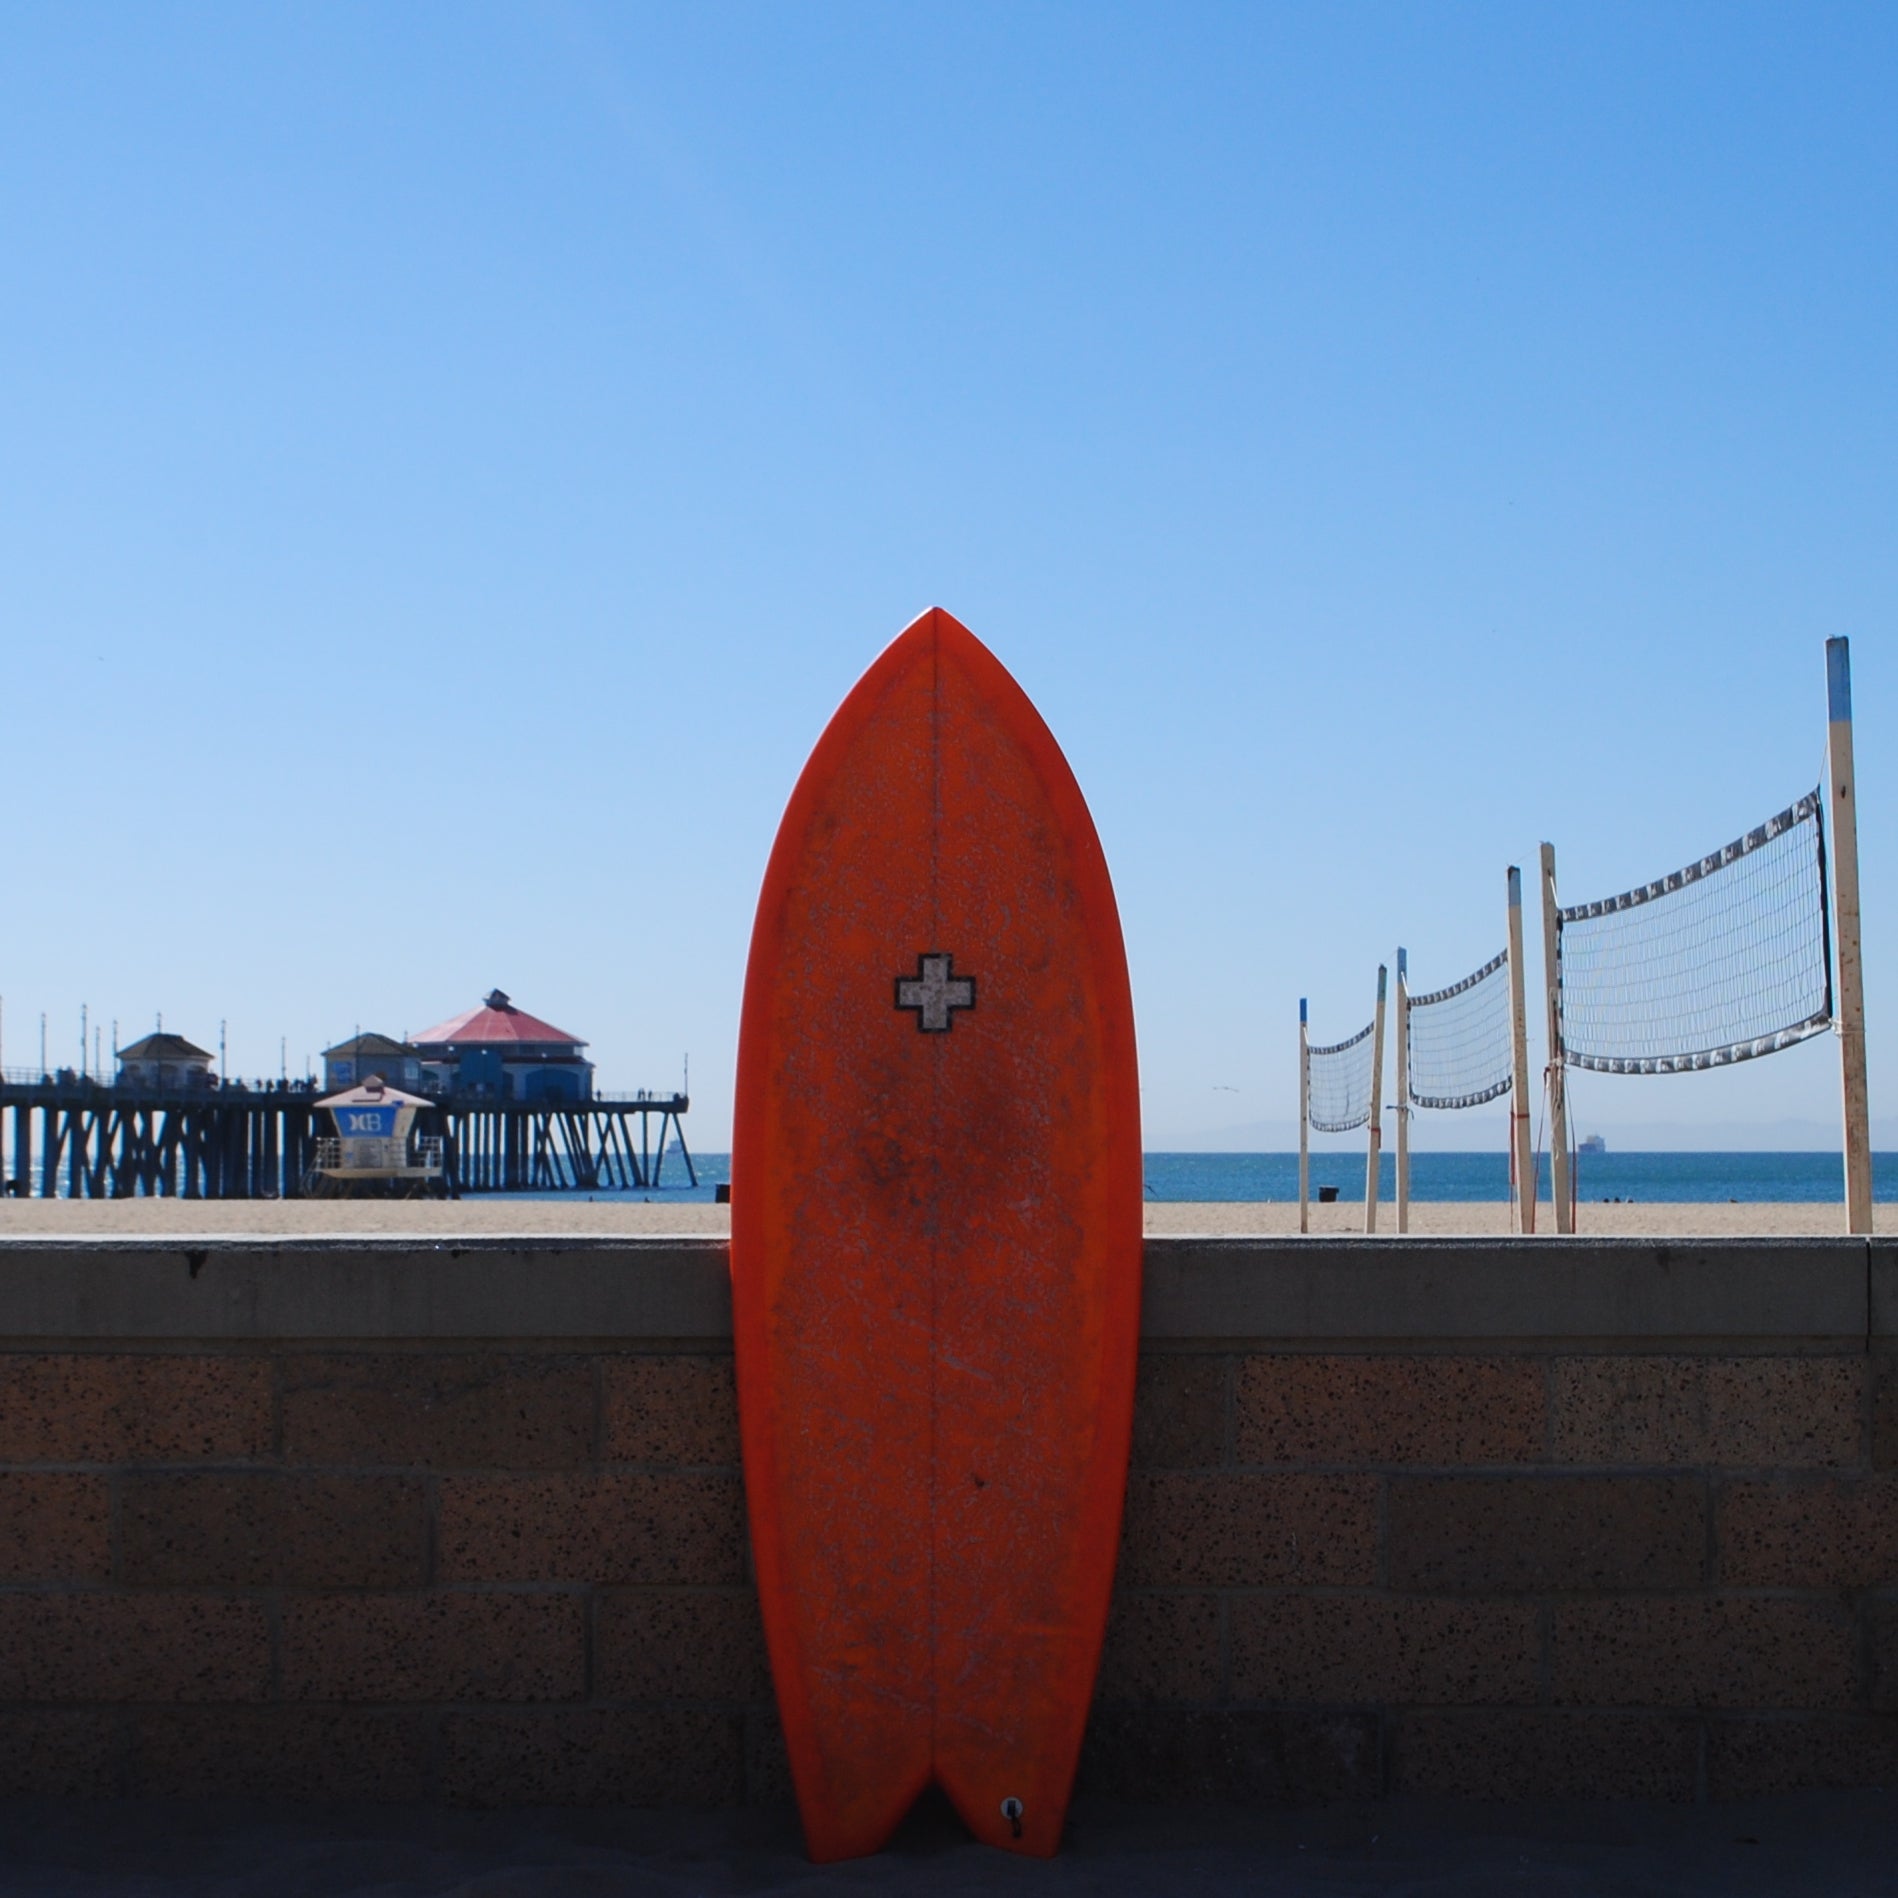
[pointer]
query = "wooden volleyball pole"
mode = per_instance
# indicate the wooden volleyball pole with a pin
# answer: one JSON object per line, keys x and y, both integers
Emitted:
{"x": 1558, "y": 1098}
{"x": 1521, "y": 1130}
{"x": 1304, "y": 1120}
{"x": 1403, "y": 1091}
{"x": 1375, "y": 1142}
{"x": 1845, "y": 906}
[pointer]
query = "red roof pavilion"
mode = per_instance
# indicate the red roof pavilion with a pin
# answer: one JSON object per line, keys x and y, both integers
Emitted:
{"x": 497, "y": 1020}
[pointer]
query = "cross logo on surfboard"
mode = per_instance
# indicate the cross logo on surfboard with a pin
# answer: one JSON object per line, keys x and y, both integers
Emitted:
{"x": 935, "y": 993}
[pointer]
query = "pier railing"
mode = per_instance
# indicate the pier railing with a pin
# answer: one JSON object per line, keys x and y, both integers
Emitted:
{"x": 210, "y": 1087}
{"x": 68, "y": 1136}
{"x": 66, "y": 1080}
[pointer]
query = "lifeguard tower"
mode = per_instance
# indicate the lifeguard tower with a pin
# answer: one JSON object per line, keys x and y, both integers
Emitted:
{"x": 375, "y": 1150}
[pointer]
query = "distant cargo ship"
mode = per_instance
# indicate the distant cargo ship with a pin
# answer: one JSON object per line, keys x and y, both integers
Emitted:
{"x": 1594, "y": 1143}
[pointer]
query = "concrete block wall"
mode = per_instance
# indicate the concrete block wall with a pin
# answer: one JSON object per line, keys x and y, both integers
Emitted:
{"x": 489, "y": 1576}
{"x": 1502, "y": 1575}
{"x": 467, "y": 1524}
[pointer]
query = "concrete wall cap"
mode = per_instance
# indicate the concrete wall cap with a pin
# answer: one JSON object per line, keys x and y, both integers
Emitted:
{"x": 1674, "y": 1294}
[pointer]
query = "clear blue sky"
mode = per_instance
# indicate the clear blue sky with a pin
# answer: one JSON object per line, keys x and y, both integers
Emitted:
{"x": 454, "y": 458}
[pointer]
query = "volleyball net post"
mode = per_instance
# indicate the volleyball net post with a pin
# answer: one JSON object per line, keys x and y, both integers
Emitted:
{"x": 1558, "y": 1097}
{"x": 1304, "y": 1120}
{"x": 1845, "y": 902}
{"x": 1522, "y": 1177}
{"x": 1403, "y": 1091}
{"x": 1375, "y": 1141}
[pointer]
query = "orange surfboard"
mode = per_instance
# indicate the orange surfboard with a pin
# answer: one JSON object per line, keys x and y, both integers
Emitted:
{"x": 936, "y": 1234}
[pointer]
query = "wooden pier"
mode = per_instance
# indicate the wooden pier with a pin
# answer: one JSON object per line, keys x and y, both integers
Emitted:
{"x": 544, "y": 1146}
{"x": 66, "y": 1136}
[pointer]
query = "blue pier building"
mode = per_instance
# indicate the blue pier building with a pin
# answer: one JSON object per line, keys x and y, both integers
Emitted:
{"x": 503, "y": 1053}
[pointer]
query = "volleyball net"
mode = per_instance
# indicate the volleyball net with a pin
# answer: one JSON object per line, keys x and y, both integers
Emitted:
{"x": 1457, "y": 1039}
{"x": 1724, "y": 960}
{"x": 1749, "y": 950}
{"x": 1341, "y": 1084}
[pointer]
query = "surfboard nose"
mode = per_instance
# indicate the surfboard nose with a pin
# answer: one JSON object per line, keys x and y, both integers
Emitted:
{"x": 937, "y": 624}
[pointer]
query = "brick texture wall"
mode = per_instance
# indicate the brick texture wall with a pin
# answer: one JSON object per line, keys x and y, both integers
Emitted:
{"x": 520, "y": 1576}
{"x": 1505, "y": 1576}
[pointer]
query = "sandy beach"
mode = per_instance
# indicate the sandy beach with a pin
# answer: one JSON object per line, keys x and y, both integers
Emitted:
{"x": 498, "y": 1218}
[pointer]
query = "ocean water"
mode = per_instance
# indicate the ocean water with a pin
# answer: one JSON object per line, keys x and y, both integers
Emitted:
{"x": 1649, "y": 1177}
{"x": 1641, "y": 1177}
